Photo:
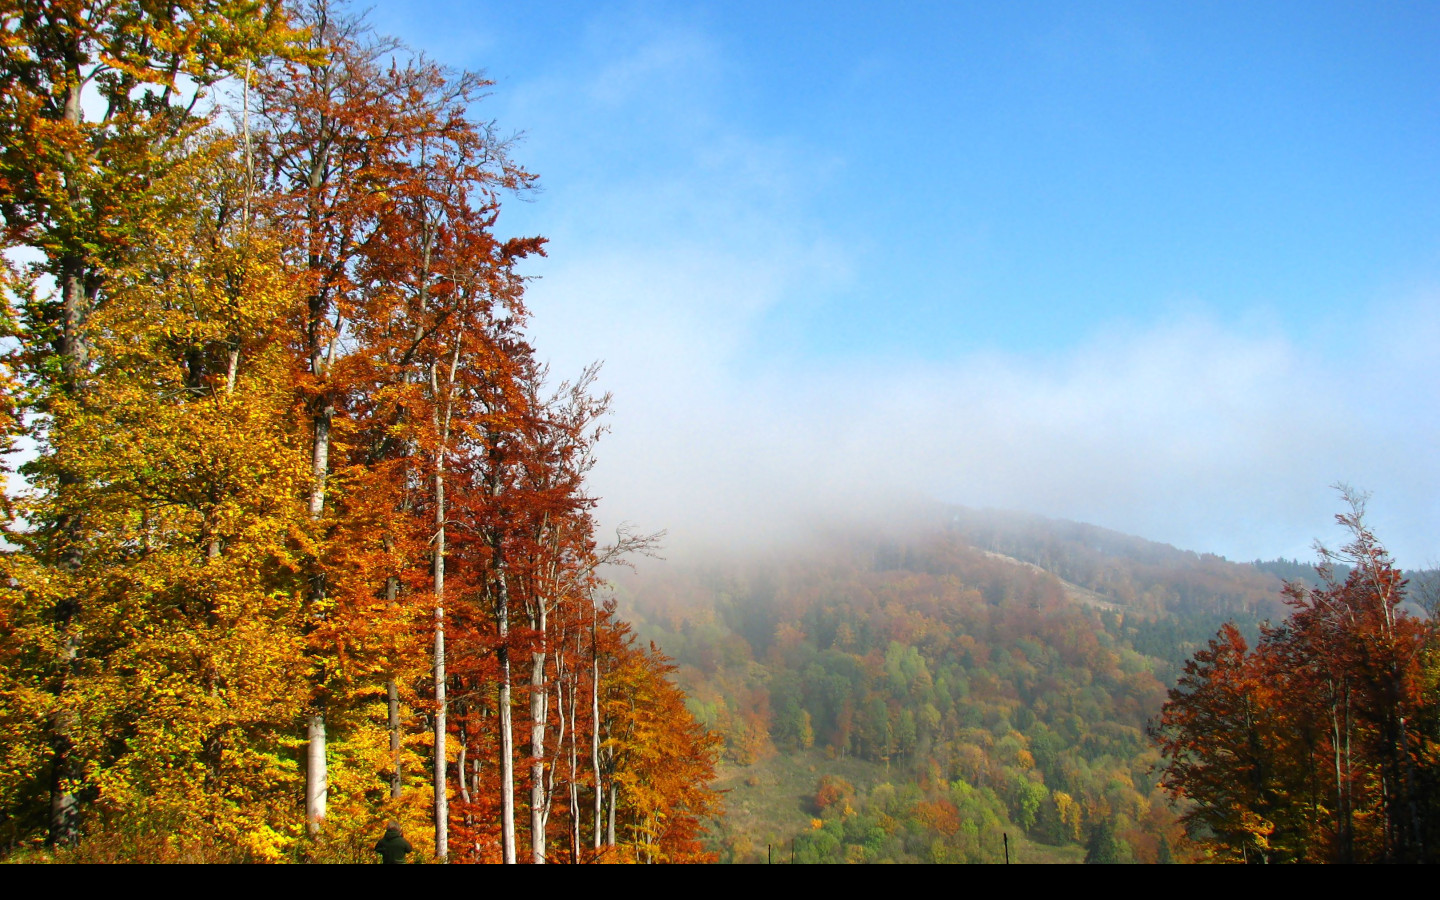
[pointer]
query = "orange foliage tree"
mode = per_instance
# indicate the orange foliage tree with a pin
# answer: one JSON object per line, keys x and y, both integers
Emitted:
{"x": 308, "y": 517}
{"x": 1317, "y": 744}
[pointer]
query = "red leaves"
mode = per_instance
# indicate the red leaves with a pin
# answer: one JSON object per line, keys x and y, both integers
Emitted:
{"x": 1305, "y": 747}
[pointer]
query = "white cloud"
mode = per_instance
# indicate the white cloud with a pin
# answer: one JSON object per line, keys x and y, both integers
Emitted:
{"x": 1213, "y": 435}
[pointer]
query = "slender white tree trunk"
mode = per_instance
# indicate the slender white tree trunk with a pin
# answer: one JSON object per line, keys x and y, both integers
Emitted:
{"x": 442, "y": 413}
{"x": 461, "y": 762}
{"x": 392, "y": 691}
{"x": 561, "y": 732}
{"x": 317, "y": 786}
{"x": 397, "y": 778}
{"x": 595, "y": 728}
{"x": 574, "y": 772}
{"x": 320, "y": 459}
{"x": 539, "y": 712}
{"x": 442, "y": 806}
{"x": 507, "y": 738}
{"x": 610, "y": 817}
{"x": 317, "y": 778}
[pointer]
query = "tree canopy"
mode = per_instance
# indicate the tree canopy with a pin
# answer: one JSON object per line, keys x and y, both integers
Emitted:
{"x": 305, "y": 542}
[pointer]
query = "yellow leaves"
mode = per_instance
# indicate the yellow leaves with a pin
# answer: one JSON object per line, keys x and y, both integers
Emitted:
{"x": 187, "y": 472}
{"x": 1070, "y": 814}
{"x": 203, "y": 708}
{"x": 1258, "y": 828}
{"x": 664, "y": 761}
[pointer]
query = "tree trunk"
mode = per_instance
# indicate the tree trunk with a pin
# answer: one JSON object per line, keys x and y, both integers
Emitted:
{"x": 1341, "y": 815}
{"x": 595, "y": 729}
{"x": 397, "y": 776}
{"x": 442, "y": 807}
{"x": 539, "y": 710}
{"x": 460, "y": 766}
{"x": 65, "y": 770}
{"x": 320, "y": 459}
{"x": 507, "y": 739}
{"x": 392, "y": 691}
{"x": 64, "y": 773}
{"x": 610, "y": 815}
{"x": 441, "y": 421}
{"x": 316, "y": 773}
{"x": 316, "y": 786}
{"x": 574, "y": 753}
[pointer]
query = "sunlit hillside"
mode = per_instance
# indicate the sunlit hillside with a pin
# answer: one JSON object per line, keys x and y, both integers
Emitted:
{"x": 919, "y": 699}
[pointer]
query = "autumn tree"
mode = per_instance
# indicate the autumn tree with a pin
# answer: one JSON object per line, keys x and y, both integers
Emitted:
{"x": 317, "y": 156}
{"x": 1221, "y": 734}
{"x": 296, "y": 456}
{"x": 659, "y": 760}
{"x": 387, "y": 189}
{"x": 1306, "y": 747}
{"x": 99, "y": 100}
{"x": 182, "y": 451}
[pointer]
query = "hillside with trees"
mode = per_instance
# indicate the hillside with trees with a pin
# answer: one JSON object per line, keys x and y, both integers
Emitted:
{"x": 299, "y": 545}
{"x": 921, "y": 699}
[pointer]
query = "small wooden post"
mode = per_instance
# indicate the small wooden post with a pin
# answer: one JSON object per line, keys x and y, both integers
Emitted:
{"x": 1006, "y": 837}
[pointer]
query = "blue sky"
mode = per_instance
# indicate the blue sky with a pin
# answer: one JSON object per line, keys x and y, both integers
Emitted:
{"x": 1173, "y": 269}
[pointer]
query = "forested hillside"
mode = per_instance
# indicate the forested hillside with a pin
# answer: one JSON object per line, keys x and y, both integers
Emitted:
{"x": 298, "y": 546}
{"x": 961, "y": 687}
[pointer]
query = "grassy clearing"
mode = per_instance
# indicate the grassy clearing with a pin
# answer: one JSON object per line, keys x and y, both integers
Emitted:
{"x": 769, "y": 802}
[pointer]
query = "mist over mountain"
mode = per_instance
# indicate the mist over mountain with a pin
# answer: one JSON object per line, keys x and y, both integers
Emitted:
{"x": 925, "y": 690}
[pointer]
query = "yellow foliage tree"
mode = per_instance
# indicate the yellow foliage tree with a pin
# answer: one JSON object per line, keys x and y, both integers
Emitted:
{"x": 183, "y": 458}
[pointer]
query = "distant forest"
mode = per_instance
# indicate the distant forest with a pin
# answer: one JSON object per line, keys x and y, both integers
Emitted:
{"x": 998, "y": 674}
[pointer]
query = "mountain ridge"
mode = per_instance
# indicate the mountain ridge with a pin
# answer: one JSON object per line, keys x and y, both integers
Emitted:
{"x": 974, "y": 675}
